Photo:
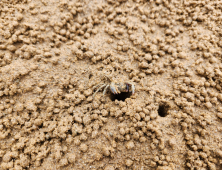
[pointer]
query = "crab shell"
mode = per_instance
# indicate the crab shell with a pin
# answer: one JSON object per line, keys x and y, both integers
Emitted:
{"x": 117, "y": 88}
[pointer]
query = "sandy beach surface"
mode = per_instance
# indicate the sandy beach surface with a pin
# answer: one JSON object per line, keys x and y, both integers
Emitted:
{"x": 61, "y": 61}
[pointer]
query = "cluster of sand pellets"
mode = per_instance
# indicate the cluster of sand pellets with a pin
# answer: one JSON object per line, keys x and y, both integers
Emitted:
{"x": 54, "y": 53}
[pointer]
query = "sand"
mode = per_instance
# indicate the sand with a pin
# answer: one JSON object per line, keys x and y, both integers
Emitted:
{"x": 61, "y": 61}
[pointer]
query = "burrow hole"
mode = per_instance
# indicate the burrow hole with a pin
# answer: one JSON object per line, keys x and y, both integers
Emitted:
{"x": 122, "y": 96}
{"x": 163, "y": 110}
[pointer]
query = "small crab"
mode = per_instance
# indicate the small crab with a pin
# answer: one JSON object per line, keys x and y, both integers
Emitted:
{"x": 116, "y": 87}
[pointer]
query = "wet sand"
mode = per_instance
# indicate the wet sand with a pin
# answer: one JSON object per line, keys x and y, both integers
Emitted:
{"x": 55, "y": 55}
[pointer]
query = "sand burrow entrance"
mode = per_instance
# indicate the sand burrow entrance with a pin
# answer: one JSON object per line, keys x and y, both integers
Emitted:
{"x": 163, "y": 110}
{"x": 122, "y": 96}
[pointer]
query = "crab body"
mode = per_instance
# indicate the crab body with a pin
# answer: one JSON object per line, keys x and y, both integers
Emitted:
{"x": 116, "y": 88}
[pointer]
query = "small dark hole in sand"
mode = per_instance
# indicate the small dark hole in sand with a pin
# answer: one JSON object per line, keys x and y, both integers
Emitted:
{"x": 162, "y": 110}
{"x": 122, "y": 96}
{"x": 90, "y": 76}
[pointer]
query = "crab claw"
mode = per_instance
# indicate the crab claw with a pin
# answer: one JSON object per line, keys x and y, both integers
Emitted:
{"x": 127, "y": 87}
{"x": 133, "y": 88}
{"x": 113, "y": 89}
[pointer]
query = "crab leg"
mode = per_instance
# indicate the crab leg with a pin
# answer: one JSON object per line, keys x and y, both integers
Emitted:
{"x": 98, "y": 85}
{"x": 99, "y": 89}
{"x": 104, "y": 92}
